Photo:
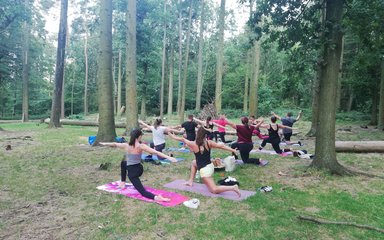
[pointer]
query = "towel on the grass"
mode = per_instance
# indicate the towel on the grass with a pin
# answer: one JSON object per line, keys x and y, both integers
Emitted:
{"x": 131, "y": 192}
{"x": 202, "y": 189}
{"x": 145, "y": 156}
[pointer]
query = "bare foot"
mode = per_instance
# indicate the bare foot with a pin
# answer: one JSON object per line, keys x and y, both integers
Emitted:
{"x": 189, "y": 183}
{"x": 162, "y": 199}
{"x": 237, "y": 190}
{"x": 121, "y": 185}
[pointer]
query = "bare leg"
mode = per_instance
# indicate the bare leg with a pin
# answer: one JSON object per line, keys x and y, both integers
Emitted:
{"x": 193, "y": 173}
{"x": 213, "y": 188}
{"x": 122, "y": 185}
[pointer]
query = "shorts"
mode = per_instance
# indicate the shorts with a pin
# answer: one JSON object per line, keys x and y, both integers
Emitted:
{"x": 287, "y": 136}
{"x": 207, "y": 171}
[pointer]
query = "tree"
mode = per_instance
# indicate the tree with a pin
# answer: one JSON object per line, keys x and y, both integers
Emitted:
{"x": 106, "y": 131}
{"x": 163, "y": 63}
{"x": 59, "y": 72}
{"x": 219, "y": 57}
{"x": 27, "y": 29}
{"x": 200, "y": 79}
{"x": 131, "y": 65}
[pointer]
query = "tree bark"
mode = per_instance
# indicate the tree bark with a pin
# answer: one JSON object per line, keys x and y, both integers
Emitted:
{"x": 86, "y": 69}
{"x": 360, "y": 146}
{"x": 26, "y": 33}
{"x": 170, "y": 85}
{"x": 254, "y": 83}
{"x": 325, "y": 136}
{"x": 119, "y": 85}
{"x": 315, "y": 100}
{"x": 200, "y": 60}
{"x": 219, "y": 58}
{"x": 59, "y": 71}
{"x": 106, "y": 131}
{"x": 380, "y": 124}
{"x": 163, "y": 64}
{"x": 338, "y": 94}
{"x": 375, "y": 103}
{"x": 185, "y": 72}
{"x": 180, "y": 60}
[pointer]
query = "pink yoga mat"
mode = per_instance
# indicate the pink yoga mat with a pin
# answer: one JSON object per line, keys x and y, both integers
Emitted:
{"x": 202, "y": 189}
{"x": 131, "y": 192}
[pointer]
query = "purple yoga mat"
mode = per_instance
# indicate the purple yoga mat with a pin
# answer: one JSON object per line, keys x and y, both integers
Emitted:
{"x": 131, "y": 192}
{"x": 202, "y": 189}
{"x": 272, "y": 152}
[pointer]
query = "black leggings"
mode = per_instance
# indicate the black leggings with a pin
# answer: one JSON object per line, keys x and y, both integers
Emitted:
{"x": 134, "y": 172}
{"x": 275, "y": 144}
{"x": 245, "y": 149}
{"x": 123, "y": 169}
{"x": 158, "y": 148}
{"x": 221, "y": 135}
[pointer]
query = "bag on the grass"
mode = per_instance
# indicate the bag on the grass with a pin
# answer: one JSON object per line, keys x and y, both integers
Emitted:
{"x": 228, "y": 181}
{"x": 229, "y": 163}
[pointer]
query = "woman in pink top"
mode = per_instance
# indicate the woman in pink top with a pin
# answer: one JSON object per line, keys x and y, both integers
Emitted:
{"x": 222, "y": 121}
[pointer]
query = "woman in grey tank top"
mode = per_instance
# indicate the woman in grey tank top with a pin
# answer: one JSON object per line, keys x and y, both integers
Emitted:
{"x": 134, "y": 148}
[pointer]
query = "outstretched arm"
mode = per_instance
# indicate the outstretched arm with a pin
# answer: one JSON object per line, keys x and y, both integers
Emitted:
{"x": 283, "y": 126}
{"x": 299, "y": 115}
{"x": 114, "y": 144}
{"x": 147, "y": 149}
{"x": 144, "y": 124}
{"x": 199, "y": 121}
{"x": 180, "y": 139}
{"x": 231, "y": 124}
{"x": 222, "y": 146}
{"x": 171, "y": 130}
{"x": 218, "y": 125}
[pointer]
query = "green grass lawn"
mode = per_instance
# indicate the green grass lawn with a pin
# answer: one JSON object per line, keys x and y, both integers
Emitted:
{"x": 49, "y": 178}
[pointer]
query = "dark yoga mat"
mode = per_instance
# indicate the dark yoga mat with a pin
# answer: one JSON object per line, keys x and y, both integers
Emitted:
{"x": 203, "y": 190}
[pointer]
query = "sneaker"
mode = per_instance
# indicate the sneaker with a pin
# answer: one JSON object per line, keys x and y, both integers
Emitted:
{"x": 193, "y": 203}
{"x": 266, "y": 189}
{"x": 263, "y": 163}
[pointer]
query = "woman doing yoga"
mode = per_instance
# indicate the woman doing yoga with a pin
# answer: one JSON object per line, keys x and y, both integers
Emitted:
{"x": 273, "y": 133}
{"x": 201, "y": 147}
{"x": 134, "y": 148}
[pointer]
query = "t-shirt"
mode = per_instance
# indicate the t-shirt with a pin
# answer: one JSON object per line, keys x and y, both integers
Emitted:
{"x": 221, "y": 122}
{"x": 189, "y": 127}
{"x": 288, "y": 121}
{"x": 244, "y": 134}
{"x": 158, "y": 135}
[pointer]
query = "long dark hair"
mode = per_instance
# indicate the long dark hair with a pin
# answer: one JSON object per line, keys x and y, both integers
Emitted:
{"x": 135, "y": 134}
{"x": 157, "y": 122}
{"x": 207, "y": 121}
{"x": 200, "y": 136}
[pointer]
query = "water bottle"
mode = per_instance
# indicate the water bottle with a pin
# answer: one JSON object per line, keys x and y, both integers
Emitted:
{"x": 197, "y": 176}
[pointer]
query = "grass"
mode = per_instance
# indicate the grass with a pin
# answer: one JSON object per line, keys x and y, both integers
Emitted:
{"x": 48, "y": 191}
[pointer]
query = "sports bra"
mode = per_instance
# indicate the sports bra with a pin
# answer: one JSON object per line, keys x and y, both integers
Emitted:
{"x": 204, "y": 158}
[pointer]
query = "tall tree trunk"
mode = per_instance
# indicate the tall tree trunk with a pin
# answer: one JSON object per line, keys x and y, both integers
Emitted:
{"x": 375, "y": 102}
{"x": 62, "y": 108}
{"x": 170, "y": 85}
{"x": 119, "y": 85}
{"x": 246, "y": 83}
{"x": 325, "y": 136}
{"x": 143, "y": 109}
{"x": 27, "y": 29}
{"x": 180, "y": 59}
{"x": 185, "y": 72}
{"x": 59, "y": 71}
{"x": 200, "y": 60}
{"x": 350, "y": 99}
{"x": 86, "y": 70}
{"x": 131, "y": 68}
{"x": 106, "y": 131}
{"x": 338, "y": 94}
{"x": 380, "y": 124}
{"x": 219, "y": 58}
{"x": 73, "y": 86}
{"x": 254, "y": 83}
{"x": 163, "y": 64}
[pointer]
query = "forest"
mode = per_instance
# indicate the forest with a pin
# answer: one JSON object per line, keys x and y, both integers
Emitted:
{"x": 115, "y": 62}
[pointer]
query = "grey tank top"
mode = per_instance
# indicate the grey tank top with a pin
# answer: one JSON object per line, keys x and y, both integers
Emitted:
{"x": 132, "y": 159}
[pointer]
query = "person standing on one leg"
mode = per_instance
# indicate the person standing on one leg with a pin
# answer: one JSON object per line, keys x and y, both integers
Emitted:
{"x": 288, "y": 121}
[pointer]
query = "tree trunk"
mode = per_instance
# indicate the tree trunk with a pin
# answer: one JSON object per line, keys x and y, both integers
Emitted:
{"x": 131, "y": 66}
{"x": 338, "y": 94}
{"x": 106, "y": 131}
{"x": 73, "y": 86}
{"x": 315, "y": 100}
{"x": 170, "y": 85}
{"x": 360, "y": 146}
{"x": 350, "y": 99}
{"x": 325, "y": 136}
{"x": 163, "y": 64}
{"x": 119, "y": 85}
{"x": 59, "y": 71}
{"x": 62, "y": 108}
{"x": 27, "y": 29}
{"x": 374, "y": 106}
{"x": 86, "y": 70}
{"x": 185, "y": 72}
{"x": 200, "y": 60}
{"x": 246, "y": 83}
{"x": 380, "y": 124}
{"x": 180, "y": 60}
{"x": 219, "y": 57}
{"x": 253, "y": 95}
{"x": 143, "y": 109}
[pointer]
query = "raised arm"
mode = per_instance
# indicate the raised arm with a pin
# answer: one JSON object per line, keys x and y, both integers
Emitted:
{"x": 222, "y": 146}
{"x": 299, "y": 115}
{"x": 218, "y": 125}
{"x": 199, "y": 121}
{"x": 231, "y": 124}
{"x": 283, "y": 126}
{"x": 181, "y": 139}
{"x": 277, "y": 116}
{"x": 171, "y": 130}
{"x": 147, "y": 149}
{"x": 144, "y": 124}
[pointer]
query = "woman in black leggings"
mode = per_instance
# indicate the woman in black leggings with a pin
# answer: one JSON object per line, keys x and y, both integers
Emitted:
{"x": 273, "y": 133}
{"x": 244, "y": 141}
{"x": 134, "y": 148}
